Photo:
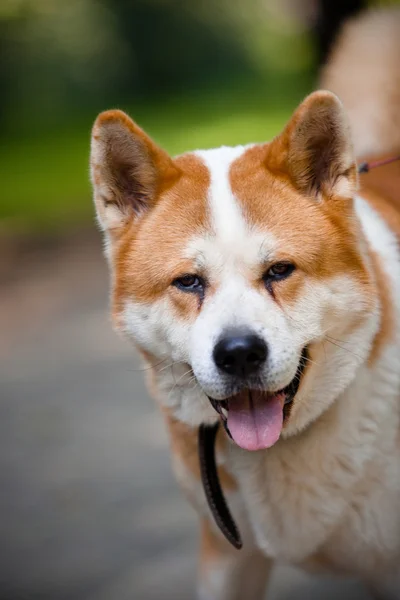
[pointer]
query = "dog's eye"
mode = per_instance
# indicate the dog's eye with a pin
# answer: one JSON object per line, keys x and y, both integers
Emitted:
{"x": 189, "y": 283}
{"x": 279, "y": 271}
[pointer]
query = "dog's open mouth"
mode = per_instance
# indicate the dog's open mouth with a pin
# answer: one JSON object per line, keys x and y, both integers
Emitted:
{"x": 254, "y": 419}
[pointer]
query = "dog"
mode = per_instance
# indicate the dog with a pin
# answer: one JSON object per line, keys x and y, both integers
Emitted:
{"x": 264, "y": 280}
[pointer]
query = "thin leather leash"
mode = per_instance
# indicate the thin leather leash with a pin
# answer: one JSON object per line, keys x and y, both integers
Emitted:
{"x": 365, "y": 167}
{"x": 206, "y": 445}
{"x": 212, "y": 487}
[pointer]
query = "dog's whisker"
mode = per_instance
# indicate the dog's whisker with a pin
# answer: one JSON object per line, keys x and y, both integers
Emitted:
{"x": 176, "y": 382}
{"x": 311, "y": 361}
{"x": 334, "y": 343}
{"x": 170, "y": 366}
{"x": 148, "y": 367}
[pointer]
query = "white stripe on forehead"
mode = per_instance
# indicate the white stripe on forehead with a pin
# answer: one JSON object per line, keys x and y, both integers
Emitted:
{"x": 233, "y": 244}
{"x": 227, "y": 219}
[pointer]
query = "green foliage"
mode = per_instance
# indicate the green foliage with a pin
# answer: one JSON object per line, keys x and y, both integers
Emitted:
{"x": 193, "y": 74}
{"x": 45, "y": 181}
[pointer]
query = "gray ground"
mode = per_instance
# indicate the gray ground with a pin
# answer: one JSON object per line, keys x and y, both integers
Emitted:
{"x": 88, "y": 506}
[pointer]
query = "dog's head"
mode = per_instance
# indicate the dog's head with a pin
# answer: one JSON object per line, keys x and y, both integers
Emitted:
{"x": 240, "y": 273}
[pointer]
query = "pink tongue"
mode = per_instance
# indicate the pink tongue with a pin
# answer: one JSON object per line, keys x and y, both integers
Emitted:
{"x": 255, "y": 422}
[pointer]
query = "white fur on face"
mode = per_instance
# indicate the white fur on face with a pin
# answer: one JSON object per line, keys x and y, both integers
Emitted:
{"x": 229, "y": 255}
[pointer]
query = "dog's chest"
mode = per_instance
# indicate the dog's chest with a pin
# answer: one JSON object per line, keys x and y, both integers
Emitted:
{"x": 303, "y": 498}
{"x": 291, "y": 510}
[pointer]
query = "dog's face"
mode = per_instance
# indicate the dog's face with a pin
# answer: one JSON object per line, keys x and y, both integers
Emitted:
{"x": 240, "y": 273}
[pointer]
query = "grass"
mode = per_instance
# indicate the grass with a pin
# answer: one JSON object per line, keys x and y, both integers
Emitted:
{"x": 44, "y": 179}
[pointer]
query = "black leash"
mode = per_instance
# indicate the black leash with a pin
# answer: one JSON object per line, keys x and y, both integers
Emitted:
{"x": 212, "y": 487}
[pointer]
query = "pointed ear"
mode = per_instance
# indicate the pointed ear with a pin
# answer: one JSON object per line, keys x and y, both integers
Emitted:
{"x": 316, "y": 150}
{"x": 127, "y": 169}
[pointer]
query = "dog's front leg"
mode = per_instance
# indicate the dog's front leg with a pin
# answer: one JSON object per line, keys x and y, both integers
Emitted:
{"x": 229, "y": 574}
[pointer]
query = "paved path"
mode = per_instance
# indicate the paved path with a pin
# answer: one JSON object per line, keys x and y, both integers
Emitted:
{"x": 88, "y": 506}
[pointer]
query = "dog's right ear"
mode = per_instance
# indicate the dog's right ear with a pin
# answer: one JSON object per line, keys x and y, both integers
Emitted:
{"x": 128, "y": 170}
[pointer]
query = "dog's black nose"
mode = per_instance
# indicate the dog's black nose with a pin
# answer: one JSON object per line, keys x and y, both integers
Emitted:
{"x": 240, "y": 354}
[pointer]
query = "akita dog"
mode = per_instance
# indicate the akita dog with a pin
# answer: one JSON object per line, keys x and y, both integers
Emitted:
{"x": 261, "y": 285}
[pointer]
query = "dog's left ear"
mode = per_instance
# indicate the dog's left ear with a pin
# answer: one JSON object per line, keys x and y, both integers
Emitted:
{"x": 315, "y": 148}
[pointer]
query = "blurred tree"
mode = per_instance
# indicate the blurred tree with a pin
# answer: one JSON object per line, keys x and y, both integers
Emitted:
{"x": 170, "y": 46}
{"x": 58, "y": 58}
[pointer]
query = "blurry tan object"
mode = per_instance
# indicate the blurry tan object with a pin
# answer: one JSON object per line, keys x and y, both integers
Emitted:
{"x": 364, "y": 71}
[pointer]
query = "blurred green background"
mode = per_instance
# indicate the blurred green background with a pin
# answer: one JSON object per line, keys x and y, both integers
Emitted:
{"x": 193, "y": 74}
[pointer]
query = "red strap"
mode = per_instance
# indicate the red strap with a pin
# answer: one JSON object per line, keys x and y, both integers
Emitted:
{"x": 365, "y": 167}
